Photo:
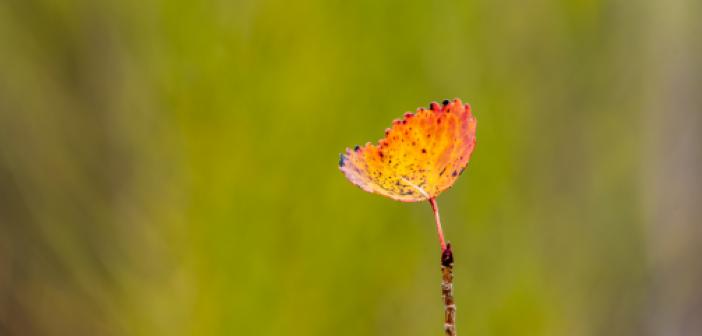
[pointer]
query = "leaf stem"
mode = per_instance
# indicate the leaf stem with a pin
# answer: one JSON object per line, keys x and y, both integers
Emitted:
{"x": 437, "y": 218}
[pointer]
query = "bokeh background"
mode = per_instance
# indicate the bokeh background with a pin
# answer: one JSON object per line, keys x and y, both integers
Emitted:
{"x": 170, "y": 167}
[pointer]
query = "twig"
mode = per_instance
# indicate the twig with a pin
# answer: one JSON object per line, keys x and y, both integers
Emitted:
{"x": 446, "y": 275}
{"x": 447, "y": 291}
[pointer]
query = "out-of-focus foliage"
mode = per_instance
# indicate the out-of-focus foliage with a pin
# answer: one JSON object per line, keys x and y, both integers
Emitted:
{"x": 170, "y": 167}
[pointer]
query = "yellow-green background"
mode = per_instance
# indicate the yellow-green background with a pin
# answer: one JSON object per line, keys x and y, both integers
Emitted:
{"x": 170, "y": 167}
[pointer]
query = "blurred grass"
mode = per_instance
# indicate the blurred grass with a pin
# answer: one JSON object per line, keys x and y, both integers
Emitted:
{"x": 169, "y": 167}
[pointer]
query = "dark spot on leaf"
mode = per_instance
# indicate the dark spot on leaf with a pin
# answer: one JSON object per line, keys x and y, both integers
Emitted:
{"x": 424, "y": 150}
{"x": 438, "y": 121}
{"x": 445, "y": 102}
{"x": 342, "y": 160}
{"x": 454, "y": 173}
{"x": 357, "y": 148}
{"x": 442, "y": 171}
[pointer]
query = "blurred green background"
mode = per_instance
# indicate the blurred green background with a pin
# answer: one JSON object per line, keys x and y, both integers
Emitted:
{"x": 170, "y": 167}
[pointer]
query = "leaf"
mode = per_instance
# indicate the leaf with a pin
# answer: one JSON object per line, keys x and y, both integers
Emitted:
{"x": 421, "y": 155}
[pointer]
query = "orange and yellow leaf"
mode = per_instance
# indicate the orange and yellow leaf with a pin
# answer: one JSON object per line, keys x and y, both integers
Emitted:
{"x": 421, "y": 155}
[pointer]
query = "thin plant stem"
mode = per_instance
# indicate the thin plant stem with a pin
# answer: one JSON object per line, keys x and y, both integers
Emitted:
{"x": 437, "y": 218}
{"x": 446, "y": 275}
{"x": 447, "y": 291}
